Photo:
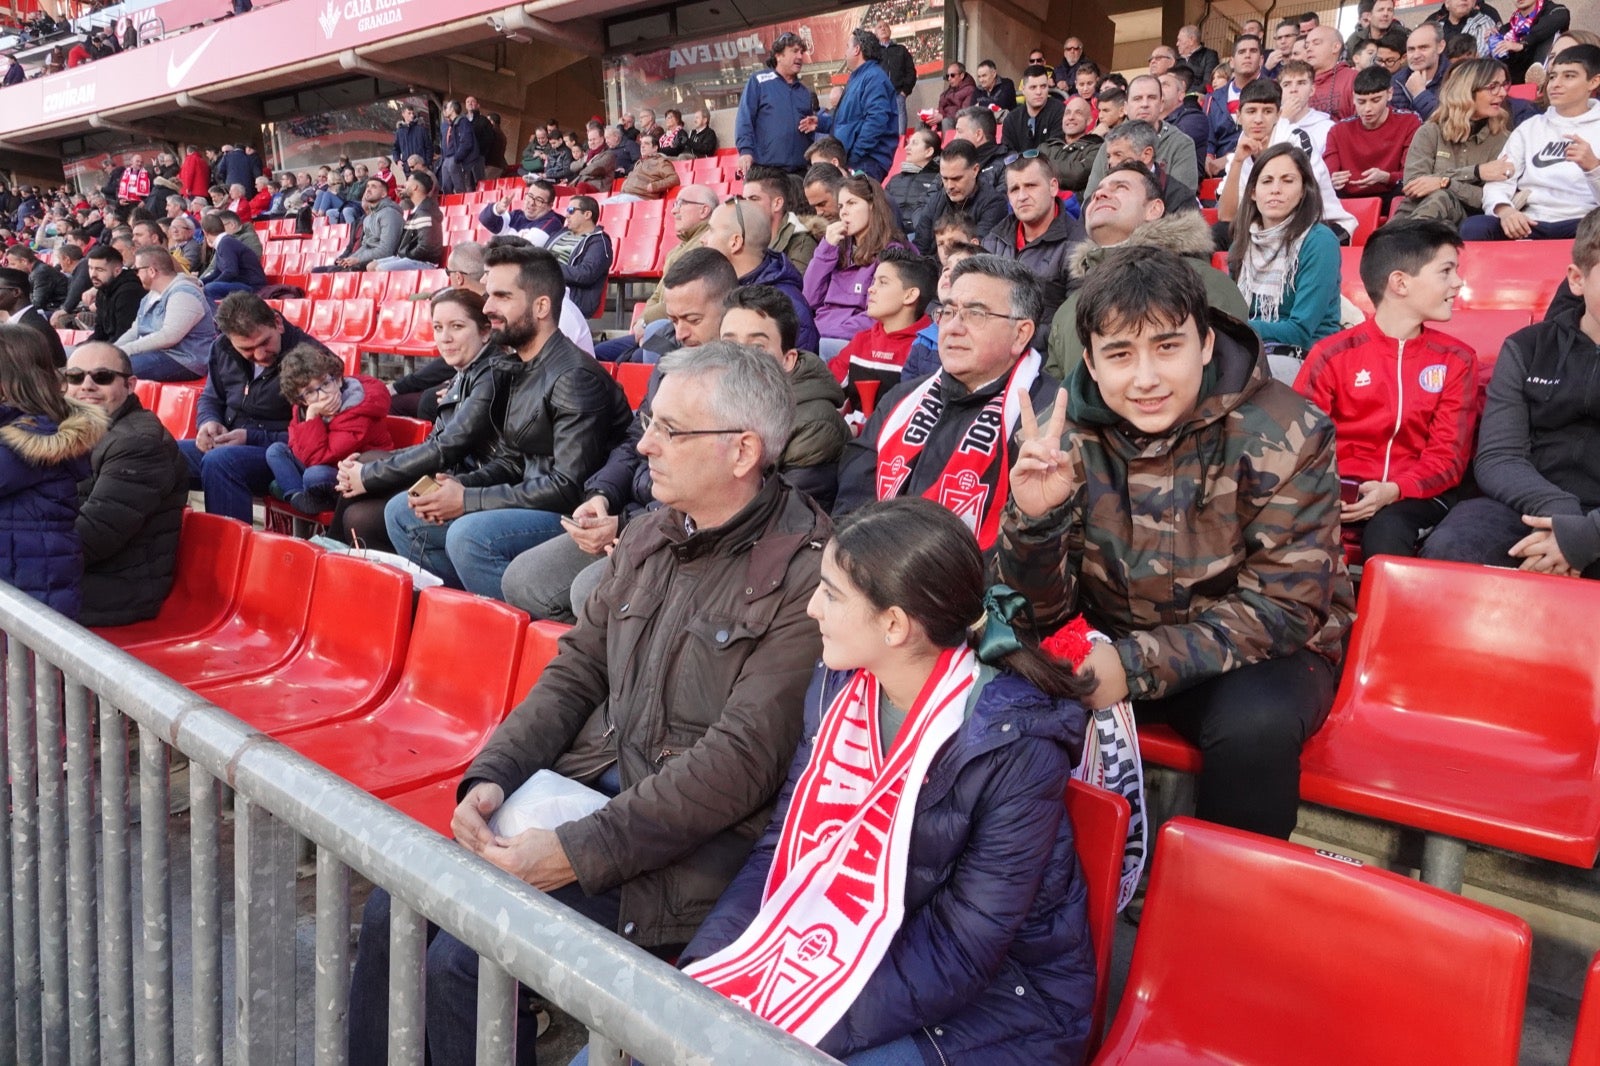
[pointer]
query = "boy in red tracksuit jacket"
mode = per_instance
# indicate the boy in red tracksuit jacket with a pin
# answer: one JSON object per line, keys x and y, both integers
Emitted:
{"x": 1404, "y": 398}
{"x": 903, "y": 285}
{"x": 335, "y": 416}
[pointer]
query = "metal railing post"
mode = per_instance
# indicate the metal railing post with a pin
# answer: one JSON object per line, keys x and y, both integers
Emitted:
{"x": 83, "y": 977}
{"x": 52, "y": 863}
{"x": 408, "y": 952}
{"x": 8, "y": 968}
{"x": 116, "y": 950}
{"x": 205, "y": 915}
{"x": 155, "y": 960}
{"x": 497, "y": 1015}
{"x": 24, "y": 853}
{"x": 333, "y": 960}
{"x": 264, "y": 915}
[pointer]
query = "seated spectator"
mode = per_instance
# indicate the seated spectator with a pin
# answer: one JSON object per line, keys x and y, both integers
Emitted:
{"x": 702, "y": 139}
{"x": 186, "y": 243}
{"x": 903, "y": 285}
{"x": 655, "y": 857}
{"x": 600, "y": 162}
{"x": 376, "y": 234}
{"x": 537, "y": 215}
{"x": 583, "y": 251}
{"x": 1417, "y": 87}
{"x": 116, "y": 289}
{"x": 1173, "y": 148}
{"x": 993, "y": 90}
{"x": 422, "y": 236}
{"x": 902, "y": 606}
{"x": 674, "y": 139}
{"x": 1111, "y": 109}
{"x": 1087, "y": 80}
{"x": 1134, "y": 141}
{"x": 1308, "y": 127}
{"x": 1366, "y": 154}
{"x": 76, "y": 268}
{"x": 172, "y": 336}
{"x": 794, "y": 236}
{"x": 336, "y": 416}
{"x": 935, "y": 437}
{"x": 1404, "y": 397}
{"x": 1382, "y": 26}
{"x": 463, "y": 430}
{"x": 625, "y": 143}
{"x": 1285, "y": 261}
{"x": 840, "y": 272}
{"x": 1181, "y": 107}
{"x": 130, "y": 507}
{"x": 1129, "y": 211}
{"x": 561, "y": 417}
{"x": 1261, "y": 127}
{"x": 233, "y": 227}
{"x": 1074, "y": 153}
{"x": 964, "y": 191}
{"x": 1526, "y": 37}
{"x": 1555, "y": 173}
{"x": 1223, "y": 102}
{"x": 821, "y": 184}
{"x": 46, "y": 443}
{"x": 1038, "y": 233}
{"x": 47, "y": 285}
{"x": 1537, "y": 447}
{"x": 260, "y": 204}
{"x": 1465, "y": 18}
{"x": 918, "y": 180}
{"x": 739, "y": 231}
{"x": 977, "y": 126}
{"x": 1458, "y": 148}
{"x": 651, "y": 178}
{"x": 1335, "y": 80}
{"x": 960, "y": 91}
{"x": 1037, "y": 119}
{"x": 1233, "y": 634}
{"x": 14, "y": 290}
{"x": 923, "y": 359}
{"x": 241, "y": 410}
{"x": 234, "y": 267}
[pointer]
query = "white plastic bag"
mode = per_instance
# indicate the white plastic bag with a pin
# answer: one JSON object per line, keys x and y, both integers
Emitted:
{"x": 545, "y": 801}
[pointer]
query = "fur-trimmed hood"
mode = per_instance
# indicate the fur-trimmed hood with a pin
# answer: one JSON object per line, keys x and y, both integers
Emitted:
{"x": 40, "y": 442}
{"x": 1186, "y": 233}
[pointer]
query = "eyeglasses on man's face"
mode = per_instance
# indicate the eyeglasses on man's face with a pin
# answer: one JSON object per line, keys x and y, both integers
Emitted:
{"x": 649, "y": 424}
{"x": 973, "y": 316}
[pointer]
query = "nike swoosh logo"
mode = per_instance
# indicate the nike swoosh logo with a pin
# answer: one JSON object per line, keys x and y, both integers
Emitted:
{"x": 176, "y": 72}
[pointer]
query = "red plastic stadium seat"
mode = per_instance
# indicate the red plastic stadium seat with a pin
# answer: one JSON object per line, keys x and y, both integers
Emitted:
{"x": 325, "y": 318}
{"x": 1162, "y": 745}
{"x": 635, "y": 381}
{"x": 538, "y": 649}
{"x": 320, "y": 287}
{"x": 1523, "y": 91}
{"x": 297, "y": 312}
{"x": 404, "y": 327}
{"x": 1254, "y": 951}
{"x": 1100, "y": 831}
{"x": 373, "y": 285}
{"x": 344, "y": 284}
{"x": 1457, "y": 714}
{"x": 1485, "y": 331}
{"x": 265, "y": 626}
{"x": 1586, "y": 1041}
{"x": 358, "y": 626}
{"x": 177, "y": 408}
{"x": 1513, "y": 275}
{"x": 637, "y": 259}
{"x": 403, "y": 284}
{"x": 355, "y": 324}
{"x": 431, "y": 281}
{"x": 1209, "y": 188}
{"x": 1366, "y": 210}
{"x": 211, "y": 552}
{"x": 441, "y": 714}
{"x": 406, "y": 432}
{"x": 148, "y": 392}
{"x": 1350, "y": 279}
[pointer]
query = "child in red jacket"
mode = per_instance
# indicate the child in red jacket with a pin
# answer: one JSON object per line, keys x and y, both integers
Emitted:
{"x": 903, "y": 285}
{"x": 335, "y": 416}
{"x": 1404, "y": 398}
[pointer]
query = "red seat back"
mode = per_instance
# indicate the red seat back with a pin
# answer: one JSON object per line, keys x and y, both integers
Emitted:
{"x": 453, "y": 628}
{"x": 149, "y": 392}
{"x": 326, "y": 317}
{"x": 1366, "y": 210}
{"x": 176, "y": 408}
{"x": 1252, "y": 950}
{"x": 320, "y": 287}
{"x": 297, "y": 312}
{"x": 344, "y": 284}
{"x": 393, "y": 325}
{"x": 406, "y": 432}
{"x": 538, "y": 649}
{"x": 1514, "y": 275}
{"x": 1100, "y": 831}
{"x": 403, "y": 284}
{"x": 1586, "y": 1041}
{"x": 373, "y": 284}
{"x": 211, "y": 552}
{"x": 360, "y": 618}
{"x": 635, "y": 381}
{"x": 356, "y": 323}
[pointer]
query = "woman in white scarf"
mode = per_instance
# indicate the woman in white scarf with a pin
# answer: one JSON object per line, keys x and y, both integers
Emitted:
{"x": 1285, "y": 260}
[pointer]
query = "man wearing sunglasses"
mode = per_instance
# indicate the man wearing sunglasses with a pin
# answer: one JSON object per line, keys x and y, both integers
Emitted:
{"x": 131, "y": 506}
{"x": 959, "y": 92}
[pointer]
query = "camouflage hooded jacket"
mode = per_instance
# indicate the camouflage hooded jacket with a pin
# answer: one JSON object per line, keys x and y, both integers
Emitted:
{"x": 1208, "y": 548}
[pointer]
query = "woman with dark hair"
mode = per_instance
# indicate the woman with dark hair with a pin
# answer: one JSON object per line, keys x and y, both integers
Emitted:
{"x": 1285, "y": 260}
{"x": 462, "y": 432}
{"x": 918, "y": 179}
{"x": 839, "y": 273}
{"x": 1458, "y": 148}
{"x": 45, "y": 445}
{"x": 674, "y": 135}
{"x": 937, "y": 750}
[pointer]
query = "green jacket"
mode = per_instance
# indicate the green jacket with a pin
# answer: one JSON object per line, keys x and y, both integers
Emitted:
{"x": 1206, "y": 549}
{"x": 1185, "y": 233}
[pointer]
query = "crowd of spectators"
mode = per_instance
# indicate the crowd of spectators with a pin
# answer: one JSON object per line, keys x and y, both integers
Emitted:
{"x": 874, "y": 388}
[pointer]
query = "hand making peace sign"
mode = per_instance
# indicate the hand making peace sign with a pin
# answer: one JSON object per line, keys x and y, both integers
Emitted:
{"x": 1041, "y": 478}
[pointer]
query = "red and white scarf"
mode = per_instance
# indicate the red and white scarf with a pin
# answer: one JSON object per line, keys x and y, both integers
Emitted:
{"x": 835, "y": 896}
{"x": 974, "y": 480}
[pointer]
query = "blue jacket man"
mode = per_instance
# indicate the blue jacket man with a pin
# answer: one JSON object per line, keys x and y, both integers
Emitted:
{"x": 411, "y": 137}
{"x": 865, "y": 120}
{"x": 774, "y": 103}
{"x": 1424, "y": 103}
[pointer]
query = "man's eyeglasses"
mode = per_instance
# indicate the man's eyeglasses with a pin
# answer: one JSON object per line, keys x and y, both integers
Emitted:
{"x": 647, "y": 424}
{"x": 101, "y": 376}
{"x": 1073, "y": 48}
{"x": 972, "y": 316}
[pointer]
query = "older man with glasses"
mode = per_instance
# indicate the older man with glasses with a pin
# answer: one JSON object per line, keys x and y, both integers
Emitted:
{"x": 691, "y": 212}
{"x": 1065, "y": 74}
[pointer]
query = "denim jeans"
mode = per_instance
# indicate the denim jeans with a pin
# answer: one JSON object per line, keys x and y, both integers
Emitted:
{"x": 397, "y": 262}
{"x": 470, "y": 552}
{"x": 216, "y": 290}
{"x": 230, "y": 476}
{"x": 306, "y": 488}
{"x": 159, "y": 366}
{"x": 1487, "y": 228}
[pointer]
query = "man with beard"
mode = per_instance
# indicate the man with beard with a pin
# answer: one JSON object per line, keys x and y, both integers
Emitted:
{"x": 561, "y": 418}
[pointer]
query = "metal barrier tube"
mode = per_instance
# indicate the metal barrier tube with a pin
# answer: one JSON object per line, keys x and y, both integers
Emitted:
{"x": 333, "y": 960}
{"x": 8, "y": 969}
{"x": 408, "y": 951}
{"x": 24, "y": 853}
{"x": 83, "y": 979}
{"x": 116, "y": 949}
{"x": 263, "y": 922}
{"x": 52, "y": 862}
{"x": 155, "y": 976}
{"x": 612, "y": 987}
{"x": 205, "y": 915}
{"x": 497, "y": 1015}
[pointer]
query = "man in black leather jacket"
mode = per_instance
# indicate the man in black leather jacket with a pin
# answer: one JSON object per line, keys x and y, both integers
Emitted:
{"x": 559, "y": 418}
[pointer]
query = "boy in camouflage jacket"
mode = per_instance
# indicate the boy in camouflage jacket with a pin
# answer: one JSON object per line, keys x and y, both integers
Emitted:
{"x": 1188, "y": 506}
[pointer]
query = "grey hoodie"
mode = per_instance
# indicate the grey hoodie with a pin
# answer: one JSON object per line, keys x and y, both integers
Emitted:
{"x": 380, "y": 232}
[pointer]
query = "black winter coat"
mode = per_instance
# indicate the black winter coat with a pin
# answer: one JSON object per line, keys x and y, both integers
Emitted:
{"x": 462, "y": 435}
{"x": 130, "y": 509}
{"x": 116, "y": 307}
{"x": 49, "y": 287}
{"x": 237, "y": 398}
{"x": 556, "y": 418}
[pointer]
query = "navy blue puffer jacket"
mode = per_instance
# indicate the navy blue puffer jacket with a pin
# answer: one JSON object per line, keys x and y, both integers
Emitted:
{"x": 41, "y": 464}
{"x": 992, "y": 964}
